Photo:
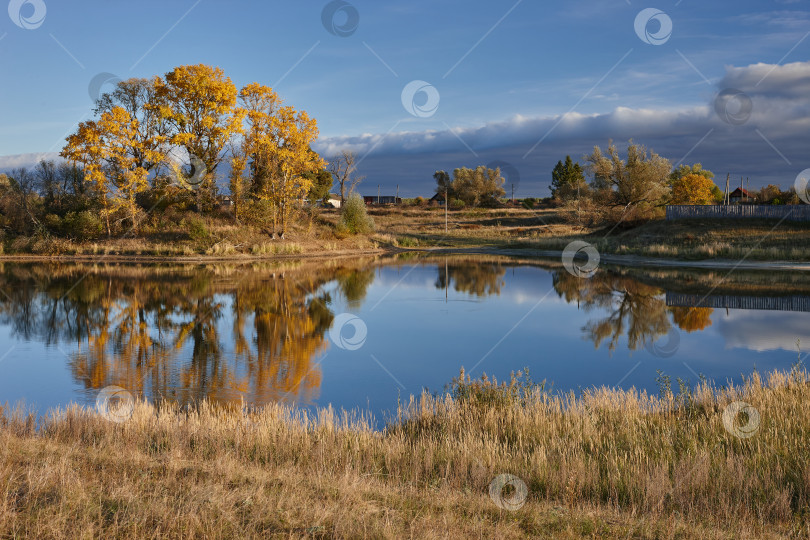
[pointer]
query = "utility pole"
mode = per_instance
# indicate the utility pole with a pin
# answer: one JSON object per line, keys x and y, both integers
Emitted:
{"x": 378, "y": 194}
{"x": 727, "y": 198}
{"x": 446, "y": 200}
{"x": 513, "y": 193}
{"x": 396, "y": 199}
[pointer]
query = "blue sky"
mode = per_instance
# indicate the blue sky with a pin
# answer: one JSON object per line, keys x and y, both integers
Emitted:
{"x": 505, "y": 73}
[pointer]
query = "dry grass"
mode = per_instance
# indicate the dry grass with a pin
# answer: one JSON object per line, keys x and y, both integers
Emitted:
{"x": 607, "y": 464}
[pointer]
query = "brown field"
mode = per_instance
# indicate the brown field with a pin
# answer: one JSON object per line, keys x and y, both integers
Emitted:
{"x": 608, "y": 464}
{"x": 519, "y": 229}
{"x": 547, "y": 229}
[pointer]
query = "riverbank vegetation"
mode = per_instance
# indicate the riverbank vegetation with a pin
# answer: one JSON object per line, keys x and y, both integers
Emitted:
{"x": 591, "y": 464}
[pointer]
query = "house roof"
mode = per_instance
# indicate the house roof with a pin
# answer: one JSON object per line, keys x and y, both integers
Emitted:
{"x": 740, "y": 192}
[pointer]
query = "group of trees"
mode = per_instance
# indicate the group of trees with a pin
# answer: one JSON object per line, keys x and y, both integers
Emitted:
{"x": 141, "y": 126}
{"x": 481, "y": 186}
{"x": 127, "y": 160}
{"x": 638, "y": 186}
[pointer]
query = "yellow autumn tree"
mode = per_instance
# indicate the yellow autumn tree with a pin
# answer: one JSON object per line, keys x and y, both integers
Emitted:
{"x": 112, "y": 154}
{"x": 692, "y": 189}
{"x": 199, "y": 105}
{"x": 278, "y": 141}
{"x": 691, "y": 319}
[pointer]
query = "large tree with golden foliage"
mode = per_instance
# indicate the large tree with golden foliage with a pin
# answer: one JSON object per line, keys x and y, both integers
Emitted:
{"x": 278, "y": 142}
{"x": 114, "y": 157}
{"x": 199, "y": 105}
{"x": 692, "y": 189}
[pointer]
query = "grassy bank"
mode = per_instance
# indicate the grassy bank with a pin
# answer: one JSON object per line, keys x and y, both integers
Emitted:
{"x": 606, "y": 464}
{"x": 548, "y": 229}
{"x": 217, "y": 236}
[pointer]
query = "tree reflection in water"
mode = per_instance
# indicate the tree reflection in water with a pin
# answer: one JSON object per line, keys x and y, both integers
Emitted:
{"x": 477, "y": 279}
{"x": 158, "y": 332}
{"x": 633, "y": 308}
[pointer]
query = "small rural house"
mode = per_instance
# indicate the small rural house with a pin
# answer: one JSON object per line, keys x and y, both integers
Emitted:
{"x": 741, "y": 195}
{"x": 438, "y": 199}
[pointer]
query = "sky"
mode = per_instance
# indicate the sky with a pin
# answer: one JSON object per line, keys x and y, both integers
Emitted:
{"x": 420, "y": 86}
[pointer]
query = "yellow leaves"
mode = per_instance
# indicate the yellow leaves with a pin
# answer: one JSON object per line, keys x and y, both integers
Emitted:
{"x": 692, "y": 189}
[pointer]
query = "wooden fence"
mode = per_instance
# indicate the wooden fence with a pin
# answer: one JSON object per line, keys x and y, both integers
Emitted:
{"x": 777, "y": 303}
{"x": 792, "y": 212}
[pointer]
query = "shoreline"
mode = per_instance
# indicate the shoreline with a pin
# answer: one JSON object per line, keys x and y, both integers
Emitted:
{"x": 611, "y": 259}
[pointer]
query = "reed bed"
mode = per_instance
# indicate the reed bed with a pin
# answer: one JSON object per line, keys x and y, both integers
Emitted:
{"x": 605, "y": 463}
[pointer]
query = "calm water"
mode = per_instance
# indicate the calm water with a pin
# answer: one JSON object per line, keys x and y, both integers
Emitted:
{"x": 361, "y": 333}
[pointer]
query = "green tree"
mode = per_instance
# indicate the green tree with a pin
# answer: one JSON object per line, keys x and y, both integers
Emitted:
{"x": 354, "y": 218}
{"x": 444, "y": 184}
{"x": 686, "y": 170}
{"x": 321, "y": 185}
{"x": 568, "y": 180}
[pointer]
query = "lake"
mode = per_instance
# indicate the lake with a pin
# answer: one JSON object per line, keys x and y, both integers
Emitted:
{"x": 365, "y": 333}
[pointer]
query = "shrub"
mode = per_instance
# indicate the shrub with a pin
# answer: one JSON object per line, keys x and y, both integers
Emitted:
{"x": 84, "y": 225}
{"x": 197, "y": 229}
{"x": 457, "y": 203}
{"x": 354, "y": 217}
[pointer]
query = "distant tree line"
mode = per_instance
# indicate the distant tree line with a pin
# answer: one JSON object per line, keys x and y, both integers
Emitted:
{"x": 638, "y": 186}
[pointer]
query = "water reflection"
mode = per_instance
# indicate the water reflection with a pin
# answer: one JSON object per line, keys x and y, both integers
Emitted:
{"x": 160, "y": 334}
{"x": 482, "y": 279}
{"x": 257, "y": 332}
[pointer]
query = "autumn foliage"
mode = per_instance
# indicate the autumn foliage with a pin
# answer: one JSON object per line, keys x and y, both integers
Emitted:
{"x": 140, "y": 129}
{"x": 692, "y": 189}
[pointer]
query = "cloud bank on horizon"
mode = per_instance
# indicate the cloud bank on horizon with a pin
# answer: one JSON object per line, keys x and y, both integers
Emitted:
{"x": 755, "y": 125}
